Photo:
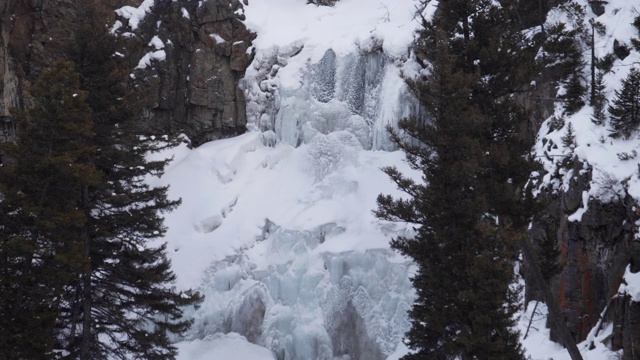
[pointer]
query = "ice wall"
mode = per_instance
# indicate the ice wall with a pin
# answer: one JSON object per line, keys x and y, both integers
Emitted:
{"x": 281, "y": 291}
{"x": 361, "y": 93}
{"x": 305, "y": 304}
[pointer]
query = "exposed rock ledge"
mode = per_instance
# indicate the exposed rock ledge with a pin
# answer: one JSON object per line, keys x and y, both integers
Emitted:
{"x": 193, "y": 90}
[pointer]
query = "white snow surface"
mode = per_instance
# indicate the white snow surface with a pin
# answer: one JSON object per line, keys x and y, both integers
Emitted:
{"x": 345, "y": 27}
{"x": 158, "y": 55}
{"x": 156, "y": 43}
{"x": 538, "y": 346}
{"x": 134, "y": 14}
{"x": 631, "y": 284}
{"x": 611, "y": 173}
{"x": 230, "y": 346}
{"x": 185, "y": 13}
{"x": 218, "y": 39}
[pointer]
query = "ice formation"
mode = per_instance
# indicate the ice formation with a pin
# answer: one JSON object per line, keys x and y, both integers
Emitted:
{"x": 284, "y": 246}
{"x": 358, "y": 93}
{"x": 276, "y": 227}
{"x": 305, "y": 304}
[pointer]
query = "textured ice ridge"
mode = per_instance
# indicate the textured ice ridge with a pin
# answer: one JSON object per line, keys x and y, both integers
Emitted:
{"x": 361, "y": 93}
{"x": 300, "y": 303}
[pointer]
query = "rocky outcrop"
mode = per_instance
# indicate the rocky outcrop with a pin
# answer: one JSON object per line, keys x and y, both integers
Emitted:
{"x": 621, "y": 50}
{"x": 594, "y": 253}
{"x": 598, "y": 6}
{"x": 17, "y": 19}
{"x": 195, "y": 88}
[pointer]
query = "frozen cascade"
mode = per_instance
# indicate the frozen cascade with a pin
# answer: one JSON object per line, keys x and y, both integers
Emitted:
{"x": 301, "y": 304}
{"x": 294, "y": 289}
{"x": 317, "y": 280}
{"x": 359, "y": 93}
{"x": 280, "y": 291}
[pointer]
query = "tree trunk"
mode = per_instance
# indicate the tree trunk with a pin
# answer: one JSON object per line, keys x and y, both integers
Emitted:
{"x": 86, "y": 291}
{"x": 75, "y": 313}
{"x": 555, "y": 316}
{"x": 533, "y": 313}
{"x": 593, "y": 65}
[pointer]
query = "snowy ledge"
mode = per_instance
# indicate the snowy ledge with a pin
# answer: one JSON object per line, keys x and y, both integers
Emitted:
{"x": 630, "y": 284}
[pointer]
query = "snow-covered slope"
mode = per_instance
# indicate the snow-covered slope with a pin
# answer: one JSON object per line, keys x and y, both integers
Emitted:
{"x": 593, "y": 144}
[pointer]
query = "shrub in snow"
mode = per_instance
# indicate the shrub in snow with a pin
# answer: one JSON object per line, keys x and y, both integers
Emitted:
{"x": 636, "y": 42}
{"x": 556, "y": 123}
{"x": 606, "y": 62}
{"x": 574, "y": 96}
{"x": 323, "y": 2}
{"x": 625, "y": 108}
{"x": 569, "y": 137}
{"x": 624, "y": 156}
{"x": 607, "y": 188}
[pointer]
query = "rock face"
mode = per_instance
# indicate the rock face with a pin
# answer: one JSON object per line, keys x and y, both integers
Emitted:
{"x": 621, "y": 50}
{"x": 33, "y": 35}
{"x": 9, "y": 83}
{"x": 193, "y": 90}
{"x": 594, "y": 253}
{"x": 627, "y": 322}
{"x": 17, "y": 22}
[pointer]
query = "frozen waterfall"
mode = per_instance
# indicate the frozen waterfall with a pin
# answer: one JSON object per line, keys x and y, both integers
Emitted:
{"x": 276, "y": 226}
{"x": 358, "y": 93}
{"x": 299, "y": 263}
{"x": 293, "y": 288}
{"x": 304, "y": 304}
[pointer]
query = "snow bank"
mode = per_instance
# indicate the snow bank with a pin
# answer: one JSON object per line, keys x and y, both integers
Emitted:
{"x": 135, "y": 14}
{"x": 229, "y": 346}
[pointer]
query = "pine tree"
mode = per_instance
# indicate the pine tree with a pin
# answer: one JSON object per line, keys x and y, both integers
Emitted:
{"x": 41, "y": 236}
{"x": 562, "y": 50}
{"x": 569, "y": 137}
{"x": 599, "y": 101}
{"x": 625, "y": 108}
{"x": 81, "y": 269}
{"x": 574, "y": 95}
{"x": 465, "y": 305}
{"x": 549, "y": 258}
{"x": 125, "y": 305}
